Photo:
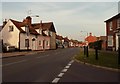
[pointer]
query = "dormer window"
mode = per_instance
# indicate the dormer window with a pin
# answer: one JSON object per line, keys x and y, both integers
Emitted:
{"x": 11, "y": 28}
{"x": 47, "y": 32}
{"x": 118, "y": 23}
{"x": 40, "y": 31}
{"x": 111, "y": 26}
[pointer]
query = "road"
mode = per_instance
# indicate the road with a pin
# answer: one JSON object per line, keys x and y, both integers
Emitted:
{"x": 53, "y": 66}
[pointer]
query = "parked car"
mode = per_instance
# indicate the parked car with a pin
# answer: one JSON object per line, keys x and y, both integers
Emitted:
{"x": 6, "y": 47}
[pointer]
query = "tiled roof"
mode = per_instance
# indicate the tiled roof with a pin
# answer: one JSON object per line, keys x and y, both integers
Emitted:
{"x": 44, "y": 26}
{"x": 66, "y": 39}
{"x": 59, "y": 37}
{"x": 116, "y": 16}
{"x": 22, "y": 24}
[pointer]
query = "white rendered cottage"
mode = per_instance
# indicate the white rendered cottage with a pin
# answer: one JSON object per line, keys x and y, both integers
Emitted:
{"x": 19, "y": 34}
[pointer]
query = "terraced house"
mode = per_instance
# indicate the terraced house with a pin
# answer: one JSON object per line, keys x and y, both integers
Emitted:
{"x": 27, "y": 36}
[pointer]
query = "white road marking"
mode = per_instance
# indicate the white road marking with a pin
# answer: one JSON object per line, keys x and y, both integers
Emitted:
{"x": 64, "y": 70}
{"x": 55, "y": 80}
{"x": 67, "y": 67}
{"x": 71, "y": 61}
{"x": 14, "y": 63}
{"x": 61, "y": 74}
{"x": 69, "y": 64}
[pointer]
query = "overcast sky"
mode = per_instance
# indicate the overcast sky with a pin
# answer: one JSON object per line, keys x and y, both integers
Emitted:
{"x": 70, "y": 18}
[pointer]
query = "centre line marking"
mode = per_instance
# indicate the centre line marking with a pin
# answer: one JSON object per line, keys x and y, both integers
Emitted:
{"x": 67, "y": 67}
{"x": 69, "y": 64}
{"x": 60, "y": 75}
{"x": 64, "y": 70}
{"x": 55, "y": 80}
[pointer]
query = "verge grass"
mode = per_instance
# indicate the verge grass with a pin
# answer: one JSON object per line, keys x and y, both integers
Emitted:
{"x": 105, "y": 58}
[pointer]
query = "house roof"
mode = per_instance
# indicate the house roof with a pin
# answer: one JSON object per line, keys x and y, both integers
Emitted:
{"x": 114, "y": 17}
{"x": 32, "y": 27}
{"x": 59, "y": 37}
{"x": 44, "y": 26}
{"x": 66, "y": 39}
{"x": 22, "y": 24}
{"x": 19, "y": 25}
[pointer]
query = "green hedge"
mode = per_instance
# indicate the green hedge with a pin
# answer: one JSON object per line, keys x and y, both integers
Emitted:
{"x": 97, "y": 44}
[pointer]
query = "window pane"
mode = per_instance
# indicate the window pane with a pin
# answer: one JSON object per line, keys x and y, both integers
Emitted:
{"x": 118, "y": 23}
{"x": 47, "y": 43}
{"x": 10, "y": 28}
{"x": 39, "y": 42}
{"x": 110, "y": 40}
{"x": 110, "y": 25}
{"x": 26, "y": 42}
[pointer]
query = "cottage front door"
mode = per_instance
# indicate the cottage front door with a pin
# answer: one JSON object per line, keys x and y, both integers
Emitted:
{"x": 33, "y": 44}
{"x": 43, "y": 44}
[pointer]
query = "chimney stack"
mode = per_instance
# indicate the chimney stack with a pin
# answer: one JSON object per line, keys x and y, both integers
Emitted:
{"x": 4, "y": 22}
{"x": 28, "y": 20}
{"x": 40, "y": 29}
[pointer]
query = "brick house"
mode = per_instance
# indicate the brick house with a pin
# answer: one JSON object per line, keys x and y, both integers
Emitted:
{"x": 90, "y": 38}
{"x": 59, "y": 41}
{"x": 111, "y": 25}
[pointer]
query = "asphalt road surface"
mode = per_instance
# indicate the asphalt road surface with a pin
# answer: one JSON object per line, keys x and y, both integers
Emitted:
{"x": 53, "y": 66}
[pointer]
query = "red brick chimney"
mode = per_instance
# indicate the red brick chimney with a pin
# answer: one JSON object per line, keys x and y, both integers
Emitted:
{"x": 28, "y": 20}
{"x": 90, "y": 34}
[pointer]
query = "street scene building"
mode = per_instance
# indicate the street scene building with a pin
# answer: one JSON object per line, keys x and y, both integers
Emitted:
{"x": 112, "y": 24}
{"x": 27, "y": 36}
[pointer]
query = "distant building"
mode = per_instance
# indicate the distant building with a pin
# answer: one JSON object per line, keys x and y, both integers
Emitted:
{"x": 66, "y": 42}
{"x": 90, "y": 38}
{"x": 59, "y": 41}
{"x": 111, "y": 25}
{"x": 103, "y": 38}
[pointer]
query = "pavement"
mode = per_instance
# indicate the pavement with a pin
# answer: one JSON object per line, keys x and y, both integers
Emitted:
{"x": 14, "y": 54}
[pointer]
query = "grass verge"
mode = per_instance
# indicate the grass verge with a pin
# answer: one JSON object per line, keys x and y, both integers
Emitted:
{"x": 105, "y": 58}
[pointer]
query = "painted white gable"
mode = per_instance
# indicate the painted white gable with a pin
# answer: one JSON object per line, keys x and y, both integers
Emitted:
{"x": 23, "y": 28}
{"x": 12, "y": 37}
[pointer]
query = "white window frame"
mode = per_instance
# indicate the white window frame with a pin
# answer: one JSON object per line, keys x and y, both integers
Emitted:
{"x": 26, "y": 42}
{"x": 11, "y": 28}
{"x": 110, "y": 40}
{"x": 40, "y": 42}
{"x": 111, "y": 26}
{"x": 118, "y": 23}
{"x": 47, "y": 43}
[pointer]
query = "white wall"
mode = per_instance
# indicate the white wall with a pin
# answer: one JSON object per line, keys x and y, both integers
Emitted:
{"x": 11, "y": 38}
{"x": 32, "y": 45}
{"x": 45, "y": 39}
